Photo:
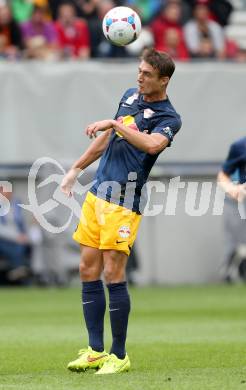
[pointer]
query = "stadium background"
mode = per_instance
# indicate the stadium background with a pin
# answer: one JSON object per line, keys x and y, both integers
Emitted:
{"x": 44, "y": 109}
{"x": 45, "y": 105}
{"x": 187, "y": 336}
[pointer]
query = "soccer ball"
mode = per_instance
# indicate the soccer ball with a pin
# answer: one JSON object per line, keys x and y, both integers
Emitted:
{"x": 121, "y": 26}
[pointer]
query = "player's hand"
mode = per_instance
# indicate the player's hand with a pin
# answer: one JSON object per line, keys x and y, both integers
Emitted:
{"x": 22, "y": 239}
{"x": 238, "y": 192}
{"x": 93, "y": 128}
{"x": 69, "y": 180}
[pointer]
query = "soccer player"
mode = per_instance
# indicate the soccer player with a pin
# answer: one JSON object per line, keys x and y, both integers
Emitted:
{"x": 144, "y": 126}
{"x": 235, "y": 164}
{"x": 232, "y": 178}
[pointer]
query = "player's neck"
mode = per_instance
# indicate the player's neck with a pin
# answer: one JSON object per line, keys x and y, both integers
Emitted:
{"x": 155, "y": 97}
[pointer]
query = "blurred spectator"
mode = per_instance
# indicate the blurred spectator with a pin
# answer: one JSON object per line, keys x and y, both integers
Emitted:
{"x": 21, "y": 10}
{"x": 88, "y": 8}
{"x": 168, "y": 32}
{"x": 14, "y": 243}
{"x": 241, "y": 55}
{"x": 44, "y": 4}
{"x": 174, "y": 45}
{"x": 232, "y": 50}
{"x": 94, "y": 20}
{"x": 147, "y": 9}
{"x": 204, "y": 37}
{"x": 219, "y": 10}
{"x": 10, "y": 34}
{"x": 73, "y": 33}
{"x": 39, "y": 35}
{"x": 94, "y": 11}
{"x": 84, "y": 8}
{"x": 119, "y": 3}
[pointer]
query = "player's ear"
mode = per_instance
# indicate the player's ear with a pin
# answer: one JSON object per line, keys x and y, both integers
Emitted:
{"x": 164, "y": 80}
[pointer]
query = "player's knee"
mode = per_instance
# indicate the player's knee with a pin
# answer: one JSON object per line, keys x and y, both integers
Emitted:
{"x": 88, "y": 273}
{"x": 108, "y": 275}
{"x": 83, "y": 270}
{"x": 113, "y": 274}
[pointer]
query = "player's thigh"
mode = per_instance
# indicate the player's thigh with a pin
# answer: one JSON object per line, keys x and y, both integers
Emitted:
{"x": 88, "y": 230}
{"x": 91, "y": 263}
{"x": 120, "y": 230}
{"x": 114, "y": 264}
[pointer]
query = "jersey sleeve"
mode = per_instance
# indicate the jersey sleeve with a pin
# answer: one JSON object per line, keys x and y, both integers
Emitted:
{"x": 230, "y": 165}
{"x": 168, "y": 128}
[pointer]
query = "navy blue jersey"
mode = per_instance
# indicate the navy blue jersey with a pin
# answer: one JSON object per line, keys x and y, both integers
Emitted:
{"x": 122, "y": 165}
{"x": 236, "y": 160}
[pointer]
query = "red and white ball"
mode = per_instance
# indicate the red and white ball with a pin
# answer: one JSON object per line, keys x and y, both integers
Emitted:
{"x": 121, "y": 26}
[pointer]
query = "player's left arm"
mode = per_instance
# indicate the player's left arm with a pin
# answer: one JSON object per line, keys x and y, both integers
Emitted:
{"x": 149, "y": 143}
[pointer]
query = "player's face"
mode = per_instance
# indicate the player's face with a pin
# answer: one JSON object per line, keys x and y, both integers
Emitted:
{"x": 150, "y": 84}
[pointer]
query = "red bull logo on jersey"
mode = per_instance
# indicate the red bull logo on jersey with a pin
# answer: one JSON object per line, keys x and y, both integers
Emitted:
{"x": 127, "y": 121}
{"x": 124, "y": 231}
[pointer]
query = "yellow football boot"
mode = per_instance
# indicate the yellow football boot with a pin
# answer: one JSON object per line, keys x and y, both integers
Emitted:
{"x": 114, "y": 365}
{"x": 87, "y": 358}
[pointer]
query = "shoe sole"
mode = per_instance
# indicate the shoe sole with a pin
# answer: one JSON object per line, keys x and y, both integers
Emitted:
{"x": 112, "y": 373}
{"x": 77, "y": 369}
{"x": 80, "y": 369}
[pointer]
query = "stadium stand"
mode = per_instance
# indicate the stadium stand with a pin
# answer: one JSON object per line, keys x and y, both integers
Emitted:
{"x": 166, "y": 34}
{"x": 236, "y": 30}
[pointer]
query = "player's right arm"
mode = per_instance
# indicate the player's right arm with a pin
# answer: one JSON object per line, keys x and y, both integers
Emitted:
{"x": 92, "y": 153}
{"x": 235, "y": 191}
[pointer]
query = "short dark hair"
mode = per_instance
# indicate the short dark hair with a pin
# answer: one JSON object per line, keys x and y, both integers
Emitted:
{"x": 159, "y": 60}
{"x": 67, "y": 3}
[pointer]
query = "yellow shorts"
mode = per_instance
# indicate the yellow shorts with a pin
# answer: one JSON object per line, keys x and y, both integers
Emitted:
{"x": 105, "y": 225}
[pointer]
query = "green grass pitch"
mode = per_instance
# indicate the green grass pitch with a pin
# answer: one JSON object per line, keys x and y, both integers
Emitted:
{"x": 182, "y": 338}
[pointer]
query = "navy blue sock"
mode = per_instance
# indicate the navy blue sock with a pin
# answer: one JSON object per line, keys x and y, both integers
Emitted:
{"x": 119, "y": 309}
{"x": 94, "y": 306}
